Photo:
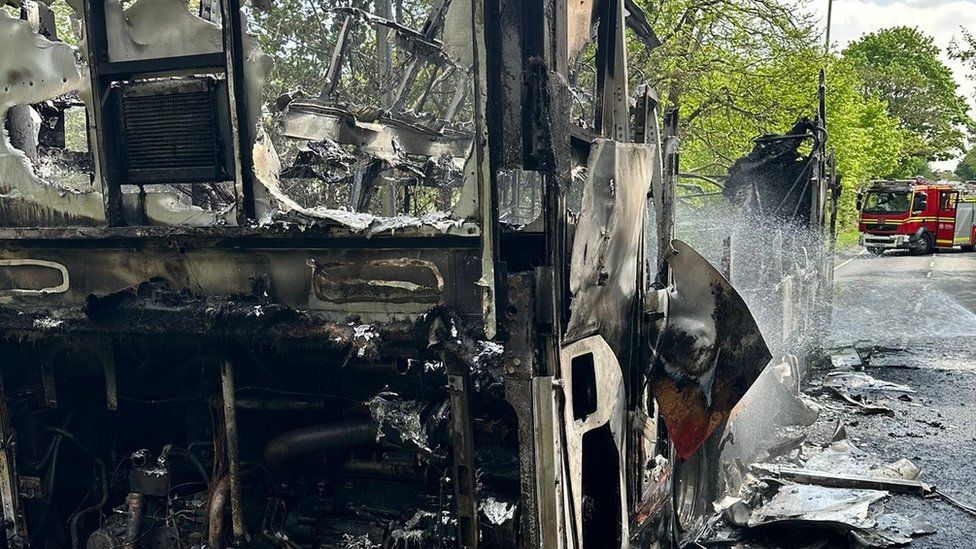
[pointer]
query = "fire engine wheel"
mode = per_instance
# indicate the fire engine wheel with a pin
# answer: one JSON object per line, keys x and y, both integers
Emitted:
{"x": 876, "y": 251}
{"x": 923, "y": 245}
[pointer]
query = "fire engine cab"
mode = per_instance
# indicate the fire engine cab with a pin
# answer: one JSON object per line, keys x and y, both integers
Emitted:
{"x": 917, "y": 215}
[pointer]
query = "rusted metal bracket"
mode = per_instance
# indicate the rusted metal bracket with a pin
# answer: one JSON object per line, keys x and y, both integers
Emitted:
{"x": 13, "y": 520}
{"x": 242, "y": 138}
{"x": 465, "y": 482}
{"x": 548, "y": 462}
{"x": 612, "y": 115}
{"x": 519, "y": 367}
{"x": 233, "y": 456}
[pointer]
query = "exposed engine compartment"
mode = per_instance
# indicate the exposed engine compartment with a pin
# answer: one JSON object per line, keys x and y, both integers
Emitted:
{"x": 334, "y": 447}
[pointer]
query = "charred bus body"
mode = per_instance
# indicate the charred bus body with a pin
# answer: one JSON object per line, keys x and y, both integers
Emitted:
{"x": 447, "y": 317}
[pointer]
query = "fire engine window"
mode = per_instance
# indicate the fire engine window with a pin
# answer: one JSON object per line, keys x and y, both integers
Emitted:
{"x": 886, "y": 202}
{"x": 519, "y": 198}
{"x": 947, "y": 201}
{"x": 920, "y": 204}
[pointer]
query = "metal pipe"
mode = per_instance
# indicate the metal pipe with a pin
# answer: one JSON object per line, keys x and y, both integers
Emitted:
{"x": 319, "y": 438}
{"x": 279, "y": 404}
{"x": 233, "y": 456}
{"x": 16, "y": 528}
{"x": 170, "y": 450}
{"x": 216, "y": 511}
{"x": 76, "y": 518}
{"x": 133, "y": 520}
{"x": 393, "y": 470}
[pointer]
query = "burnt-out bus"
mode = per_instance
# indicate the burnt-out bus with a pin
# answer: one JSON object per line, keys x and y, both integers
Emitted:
{"x": 308, "y": 275}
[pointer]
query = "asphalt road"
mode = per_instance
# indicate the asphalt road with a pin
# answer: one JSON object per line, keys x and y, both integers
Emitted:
{"x": 914, "y": 319}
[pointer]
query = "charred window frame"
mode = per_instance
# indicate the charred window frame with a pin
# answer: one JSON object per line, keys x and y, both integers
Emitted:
{"x": 389, "y": 127}
{"x": 409, "y": 154}
{"x": 142, "y": 106}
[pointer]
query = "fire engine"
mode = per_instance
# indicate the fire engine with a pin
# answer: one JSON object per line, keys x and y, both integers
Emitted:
{"x": 918, "y": 215}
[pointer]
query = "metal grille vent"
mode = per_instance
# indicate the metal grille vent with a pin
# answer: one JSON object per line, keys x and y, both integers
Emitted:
{"x": 171, "y": 137}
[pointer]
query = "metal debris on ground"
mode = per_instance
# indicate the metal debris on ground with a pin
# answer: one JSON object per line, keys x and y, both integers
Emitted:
{"x": 962, "y": 506}
{"x": 845, "y": 358}
{"x": 838, "y": 480}
{"x": 834, "y": 493}
{"x": 826, "y": 515}
{"x": 862, "y": 390}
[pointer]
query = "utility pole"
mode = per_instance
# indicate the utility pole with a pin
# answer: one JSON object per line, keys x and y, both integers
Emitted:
{"x": 830, "y": 9}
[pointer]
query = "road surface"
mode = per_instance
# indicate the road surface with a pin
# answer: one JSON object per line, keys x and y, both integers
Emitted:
{"x": 914, "y": 318}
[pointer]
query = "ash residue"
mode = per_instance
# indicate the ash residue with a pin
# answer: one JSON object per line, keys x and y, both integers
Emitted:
{"x": 402, "y": 417}
{"x": 497, "y": 512}
{"x": 417, "y": 531}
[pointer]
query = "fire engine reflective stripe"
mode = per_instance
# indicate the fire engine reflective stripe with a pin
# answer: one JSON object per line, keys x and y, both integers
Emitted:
{"x": 962, "y": 240}
{"x": 944, "y": 241}
{"x": 899, "y": 221}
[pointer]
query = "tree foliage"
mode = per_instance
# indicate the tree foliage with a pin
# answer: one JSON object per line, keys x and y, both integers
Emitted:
{"x": 301, "y": 36}
{"x": 966, "y": 169}
{"x": 901, "y": 65}
{"x": 741, "y": 69}
{"x": 735, "y": 69}
{"x": 865, "y": 138}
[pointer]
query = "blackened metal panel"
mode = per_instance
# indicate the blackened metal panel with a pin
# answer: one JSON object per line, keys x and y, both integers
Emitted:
{"x": 709, "y": 353}
{"x": 414, "y": 278}
{"x": 603, "y": 274}
{"x": 505, "y": 82}
{"x": 580, "y": 17}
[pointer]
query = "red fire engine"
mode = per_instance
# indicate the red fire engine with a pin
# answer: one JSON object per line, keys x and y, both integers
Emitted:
{"x": 918, "y": 215}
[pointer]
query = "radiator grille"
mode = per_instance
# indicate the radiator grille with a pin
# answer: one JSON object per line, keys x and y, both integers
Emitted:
{"x": 171, "y": 137}
{"x": 881, "y": 228}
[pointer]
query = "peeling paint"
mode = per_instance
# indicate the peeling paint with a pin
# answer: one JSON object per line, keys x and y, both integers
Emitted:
{"x": 42, "y": 71}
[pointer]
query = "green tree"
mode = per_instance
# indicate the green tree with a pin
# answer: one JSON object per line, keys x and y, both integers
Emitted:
{"x": 901, "y": 66}
{"x": 966, "y": 169}
{"x": 736, "y": 69}
{"x": 867, "y": 140}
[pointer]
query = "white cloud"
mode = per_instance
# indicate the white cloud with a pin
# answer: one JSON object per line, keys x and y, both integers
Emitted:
{"x": 940, "y": 19}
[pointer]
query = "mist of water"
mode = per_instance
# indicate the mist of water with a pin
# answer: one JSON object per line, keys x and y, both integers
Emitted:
{"x": 773, "y": 267}
{"x": 763, "y": 253}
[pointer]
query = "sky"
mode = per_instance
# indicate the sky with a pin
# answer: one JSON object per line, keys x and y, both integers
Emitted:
{"x": 940, "y": 19}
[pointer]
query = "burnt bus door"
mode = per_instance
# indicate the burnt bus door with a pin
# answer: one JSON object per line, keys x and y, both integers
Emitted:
{"x": 946, "y": 228}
